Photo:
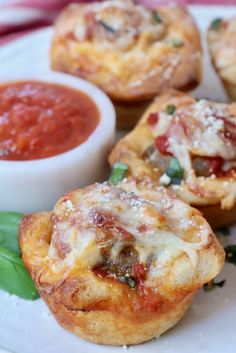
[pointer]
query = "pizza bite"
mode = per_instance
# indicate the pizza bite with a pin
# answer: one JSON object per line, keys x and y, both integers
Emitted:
{"x": 129, "y": 51}
{"x": 119, "y": 265}
{"x": 221, "y": 37}
{"x": 188, "y": 146}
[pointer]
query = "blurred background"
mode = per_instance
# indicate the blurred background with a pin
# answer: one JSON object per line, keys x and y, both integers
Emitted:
{"x": 19, "y": 17}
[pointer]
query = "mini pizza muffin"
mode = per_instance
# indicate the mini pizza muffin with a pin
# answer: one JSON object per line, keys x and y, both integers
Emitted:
{"x": 119, "y": 265}
{"x": 128, "y": 50}
{"x": 222, "y": 46}
{"x": 190, "y": 147}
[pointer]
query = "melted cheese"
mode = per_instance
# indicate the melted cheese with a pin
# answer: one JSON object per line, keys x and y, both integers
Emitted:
{"x": 161, "y": 242}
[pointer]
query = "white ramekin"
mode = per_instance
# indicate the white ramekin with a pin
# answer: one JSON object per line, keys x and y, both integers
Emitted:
{"x": 28, "y": 186}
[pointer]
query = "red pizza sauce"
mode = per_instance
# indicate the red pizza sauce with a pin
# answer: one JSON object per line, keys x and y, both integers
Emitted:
{"x": 39, "y": 120}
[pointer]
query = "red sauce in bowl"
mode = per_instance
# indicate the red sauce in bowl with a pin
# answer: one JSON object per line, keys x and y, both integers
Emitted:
{"x": 39, "y": 120}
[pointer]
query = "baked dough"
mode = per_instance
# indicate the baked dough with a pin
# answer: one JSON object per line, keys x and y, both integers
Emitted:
{"x": 196, "y": 132}
{"x": 119, "y": 265}
{"x": 221, "y": 37}
{"x": 129, "y": 51}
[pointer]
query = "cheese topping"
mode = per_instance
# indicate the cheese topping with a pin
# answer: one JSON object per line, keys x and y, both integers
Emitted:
{"x": 157, "y": 226}
{"x": 202, "y": 136}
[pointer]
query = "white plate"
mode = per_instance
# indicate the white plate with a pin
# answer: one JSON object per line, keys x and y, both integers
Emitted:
{"x": 209, "y": 325}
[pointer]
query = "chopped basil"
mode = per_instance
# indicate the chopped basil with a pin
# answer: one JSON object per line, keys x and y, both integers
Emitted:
{"x": 175, "y": 171}
{"x": 107, "y": 27}
{"x": 157, "y": 17}
{"x": 225, "y": 231}
{"x": 216, "y": 24}
{"x": 128, "y": 280}
{"x": 177, "y": 42}
{"x": 170, "y": 109}
{"x": 230, "y": 251}
{"x": 131, "y": 282}
{"x": 118, "y": 173}
{"x": 212, "y": 285}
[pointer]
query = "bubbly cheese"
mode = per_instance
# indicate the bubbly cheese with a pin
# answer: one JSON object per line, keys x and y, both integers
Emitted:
{"x": 152, "y": 218}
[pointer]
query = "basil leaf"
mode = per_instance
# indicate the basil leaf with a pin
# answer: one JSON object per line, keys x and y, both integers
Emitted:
{"x": 9, "y": 222}
{"x": 216, "y": 24}
{"x": 106, "y": 26}
{"x": 14, "y": 278}
{"x": 170, "y": 109}
{"x": 118, "y": 173}
{"x": 230, "y": 251}
{"x": 175, "y": 171}
{"x": 157, "y": 17}
{"x": 212, "y": 285}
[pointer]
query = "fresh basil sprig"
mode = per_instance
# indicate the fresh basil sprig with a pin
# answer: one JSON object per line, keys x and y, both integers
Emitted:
{"x": 230, "y": 251}
{"x": 14, "y": 278}
{"x": 118, "y": 173}
{"x": 9, "y": 222}
{"x": 175, "y": 172}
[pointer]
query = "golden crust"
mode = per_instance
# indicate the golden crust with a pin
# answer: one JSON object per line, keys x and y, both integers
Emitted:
{"x": 104, "y": 310}
{"x": 202, "y": 192}
{"x": 222, "y": 47}
{"x": 132, "y": 57}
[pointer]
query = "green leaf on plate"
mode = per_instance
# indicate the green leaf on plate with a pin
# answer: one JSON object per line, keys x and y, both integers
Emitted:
{"x": 14, "y": 278}
{"x": 9, "y": 222}
{"x": 118, "y": 173}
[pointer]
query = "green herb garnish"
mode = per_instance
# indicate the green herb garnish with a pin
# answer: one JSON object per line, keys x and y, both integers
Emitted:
{"x": 118, "y": 173}
{"x": 9, "y": 222}
{"x": 216, "y": 24}
{"x": 175, "y": 171}
{"x": 128, "y": 280}
{"x": 107, "y": 27}
{"x": 14, "y": 278}
{"x": 157, "y": 16}
{"x": 225, "y": 231}
{"x": 212, "y": 285}
{"x": 230, "y": 251}
{"x": 177, "y": 42}
{"x": 170, "y": 109}
{"x": 131, "y": 282}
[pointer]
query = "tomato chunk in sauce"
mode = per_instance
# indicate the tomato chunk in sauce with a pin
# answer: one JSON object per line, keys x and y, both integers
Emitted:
{"x": 39, "y": 120}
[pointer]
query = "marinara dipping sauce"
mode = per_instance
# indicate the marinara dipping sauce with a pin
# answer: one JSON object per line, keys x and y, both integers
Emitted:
{"x": 39, "y": 120}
